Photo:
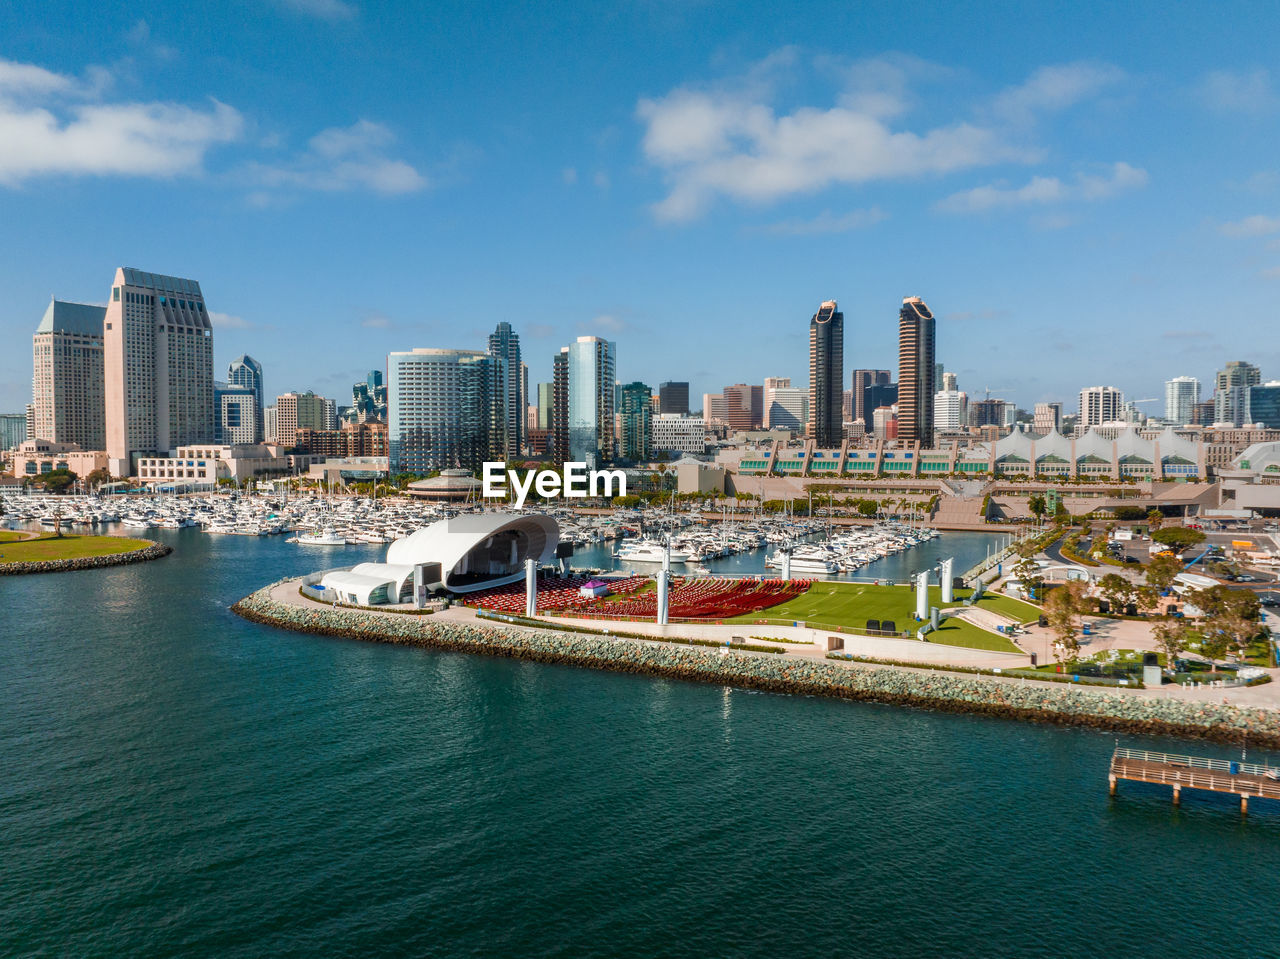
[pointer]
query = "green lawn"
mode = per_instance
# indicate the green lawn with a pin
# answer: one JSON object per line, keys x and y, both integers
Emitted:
{"x": 48, "y": 547}
{"x": 850, "y": 605}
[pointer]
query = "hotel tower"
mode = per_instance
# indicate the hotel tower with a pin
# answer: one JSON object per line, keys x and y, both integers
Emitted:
{"x": 916, "y": 372}
{"x": 157, "y": 367}
{"x": 826, "y": 376}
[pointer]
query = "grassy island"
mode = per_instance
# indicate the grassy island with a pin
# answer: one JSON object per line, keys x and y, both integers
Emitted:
{"x": 19, "y": 547}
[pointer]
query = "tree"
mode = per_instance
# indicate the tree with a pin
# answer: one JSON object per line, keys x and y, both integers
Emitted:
{"x": 1154, "y": 519}
{"x": 57, "y": 521}
{"x": 1027, "y": 572}
{"x": 97, "y": 478}
{"x": 1178, "y": 538}
{"x": 1117, "y": 590}
{"x": 1162, "y": 571}
{"x": 1170, "y": 637}
{"x": 1062, "y": 609}
{"x": 1038, "y": 506}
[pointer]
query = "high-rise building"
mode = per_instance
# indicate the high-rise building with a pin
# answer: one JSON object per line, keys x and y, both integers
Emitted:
{"x": 988, "y": 412}
{"x": 270, "y": 423}
{"x": 446, "y": 409}
{"x": 950, "y": 410}
{"x": 826, "y": 375}
{"x": 558, "y": 438}
{"x": 949, "y": 383}
{"x": 635, "y": 440}
{"x": 864, "y": 380}
{"x": 236, "y": 421}
{"x": 1181, "y": 394}
{"x": 67, "y": 385}
{"x": 1231, "y": 392}
{"x": 157, "y": 367}
{"x": 744, "y": 406}
{"x": 505, "y": 343}
{"x": 1047, "y": 418}
{"x": 1264, "y": 404}
{"x": 591, "y": 381}
{"x": 299, "y": 411}
{"x": 330, "y": 413}
{"x": 673, "y": 398}
{"x": 1098, "y": 405}
{"x": 368, "y": 400}
{"x": 714, "y": 409}
{"x": 884, "y": 422}
{"x": 247, "y": 372}
{"x": 785, "y": 407}
{"x": 916, "y": 371}
{"x": 1202, "y": 413}
{"x": 546, "y": 392}
{"x": 13, "y": 430}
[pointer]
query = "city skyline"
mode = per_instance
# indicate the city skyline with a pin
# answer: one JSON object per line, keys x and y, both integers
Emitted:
{"x": 1063, "y": 159}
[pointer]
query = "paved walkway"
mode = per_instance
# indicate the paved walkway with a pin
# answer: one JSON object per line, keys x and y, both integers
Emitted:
{"x": 1264, "y": 696}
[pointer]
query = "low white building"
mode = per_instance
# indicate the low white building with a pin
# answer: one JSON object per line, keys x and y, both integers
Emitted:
{"x": 673, "y": 433}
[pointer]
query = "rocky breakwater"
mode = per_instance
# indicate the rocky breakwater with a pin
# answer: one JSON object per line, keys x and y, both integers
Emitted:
{"x": 1073, "y": 706}
{"x": 142, "y": 555}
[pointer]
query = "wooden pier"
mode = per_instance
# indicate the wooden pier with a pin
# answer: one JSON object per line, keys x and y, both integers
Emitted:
{"x": 1246, "y": 780}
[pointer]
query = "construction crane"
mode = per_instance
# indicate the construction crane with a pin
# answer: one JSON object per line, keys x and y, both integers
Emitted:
{"x": 994, "y": 389}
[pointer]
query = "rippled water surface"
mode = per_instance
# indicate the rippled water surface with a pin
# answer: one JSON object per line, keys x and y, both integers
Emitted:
{"x": 177, "y": 782}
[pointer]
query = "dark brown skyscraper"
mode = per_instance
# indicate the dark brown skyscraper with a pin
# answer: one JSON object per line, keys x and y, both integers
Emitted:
{"x": 826, "y": 375}
{"x": 744, "y": 406}
{"x": 864, "y": 380}
{"x": 558, "y": 431}
{"x": 916, "y": 371}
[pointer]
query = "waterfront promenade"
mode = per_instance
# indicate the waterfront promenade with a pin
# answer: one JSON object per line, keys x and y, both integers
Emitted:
{"x": 800, "y": 646}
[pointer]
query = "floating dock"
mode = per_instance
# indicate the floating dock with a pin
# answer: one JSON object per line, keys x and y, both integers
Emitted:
{"x": 1246, "y": 780}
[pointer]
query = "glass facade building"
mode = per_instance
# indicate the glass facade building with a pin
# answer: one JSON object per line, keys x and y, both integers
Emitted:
{"x": 446, "y": 409}
{"x": 591, "y": 373}
{"x": 636, "y": 415}
{"x": 247, "y": 372}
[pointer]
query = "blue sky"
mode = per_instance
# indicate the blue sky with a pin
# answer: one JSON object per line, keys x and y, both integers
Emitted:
{"x": 1084, "y": 193}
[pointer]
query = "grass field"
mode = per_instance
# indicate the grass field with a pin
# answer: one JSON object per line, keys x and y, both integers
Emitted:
{"x": 850, "y": 605}
{"x": 47, "y": 547}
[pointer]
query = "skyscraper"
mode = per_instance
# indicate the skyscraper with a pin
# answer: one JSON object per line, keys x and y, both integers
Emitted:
{"x": 545, "y": 395}
{"x": 950, "y": 410}
{"x": 1231, "y": 392}
{"x": 785, "y": 407}
{"x": 1181, "y": 394}
{"x": 1046, "y": 418}
{"x": 446, "y": 409}
{"x": 713, "y": 408}
{"x": 673, "y": 398}
{"x": 916, "y": 371}
{"x": 505, "y": 343}
{"x": 826, "y": 375}
{"x": 67, "y": 385}
{"x": 744, "y": 406}
{"x": 237, "y": 414}
{"x": 1098, "y": 405}
{"x": 299, "y": 411}
{"x": 247, "y": 372}
{"x": 636, "y": 416}
{"x": 864, "y": 380}
{"x": 1264, "y": 404}
{"x": 558, "y": 439}
{"x": 157, "y": 367}
{"x": 591, "y": 391}
{"x": 13, "y": 430}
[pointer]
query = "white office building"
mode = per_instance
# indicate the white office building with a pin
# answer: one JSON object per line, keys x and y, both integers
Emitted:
{"x": 950, "y": 410}
{"x": 684, "y": 434}
{"x": 1098, "y": 405}
{"x": 1181, "y": 394}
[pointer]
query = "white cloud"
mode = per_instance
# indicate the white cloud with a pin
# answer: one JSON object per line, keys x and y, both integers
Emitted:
{"x": 1238, "y": 92}
{"x": 604, "y": 324}
{"x": 225, "y": 321}
{"x": 27, "y": 78}
{"x": 1272, "y": 273}
{"x": 827, "y": 222}
{"x": 569, "y": 175}
{"x": 344, "y": 158}
{"x": 710, "y": 143}
{"x": 321, "y": 9}
{"x": 731, "y": 140}
{"x": 1057, "y": 87}
{"x": 1256, "y": 225}
{"x": 601, "y": 180}
{"x": 376, "y": 321}
{"x": 125, "y": 139}
{"x": 1043, "y": 190}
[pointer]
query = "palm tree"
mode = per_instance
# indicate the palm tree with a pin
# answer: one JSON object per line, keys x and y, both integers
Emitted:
{"x": 57, "y": 521}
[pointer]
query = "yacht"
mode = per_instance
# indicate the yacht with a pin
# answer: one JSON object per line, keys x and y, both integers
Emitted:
{"x": 806, "y": 561}
{"x": 648, "y": 551}
{"x": 326, "y": 537}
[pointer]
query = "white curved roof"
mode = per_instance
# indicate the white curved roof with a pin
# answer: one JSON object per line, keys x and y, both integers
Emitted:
{"x": 448, "y": 541}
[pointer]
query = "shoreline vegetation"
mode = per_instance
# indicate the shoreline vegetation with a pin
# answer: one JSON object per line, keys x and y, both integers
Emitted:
{"x": 22, "y": 554}
{"x": 960, "y": 693}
